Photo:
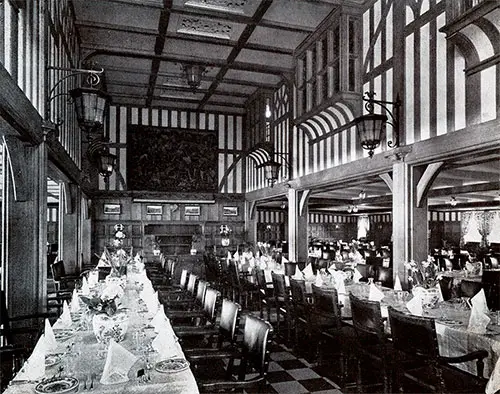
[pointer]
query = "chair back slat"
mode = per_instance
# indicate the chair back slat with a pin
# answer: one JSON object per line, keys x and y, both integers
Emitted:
{"x": 210, "y": 304}
{"x": 366, "y": 317}
{"x": 414, "y": 335}
{"x": 326, "y": 302}
{"x": 229, "y": 318}
{"x": 256, "y": 339}
{"x": 184, "y": 279}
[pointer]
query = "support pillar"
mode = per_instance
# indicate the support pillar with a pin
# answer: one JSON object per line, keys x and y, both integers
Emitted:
{"x": 409, "y": 218}
{"x": 24, "y": 228}
{"x": 297, "y": 225}
{"x": 251, "y": 222}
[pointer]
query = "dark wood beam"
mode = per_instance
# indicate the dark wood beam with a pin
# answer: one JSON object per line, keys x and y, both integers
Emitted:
{"x": 245, "y": 35}
{"x": 456, "y": 190}
{"x": 159, "y": 45}
{"x": 208, "y": 62}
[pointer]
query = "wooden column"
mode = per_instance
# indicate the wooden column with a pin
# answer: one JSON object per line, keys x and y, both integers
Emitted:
{"x": 24, "y": 236}
{"x": 251, "y": 222}
{"x": 297, "y": 225}
{"x": 69, "y": 239}
{"x": 409, "y": 215}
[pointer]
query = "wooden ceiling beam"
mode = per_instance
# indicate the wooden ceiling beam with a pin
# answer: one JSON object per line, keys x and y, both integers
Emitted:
{"x": 245, "y": 35}
{"x": 208, "y": 62}
{"x": 456, "y": 190}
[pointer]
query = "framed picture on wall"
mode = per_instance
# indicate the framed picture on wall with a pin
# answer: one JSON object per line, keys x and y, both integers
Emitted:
{"x": 192, "y": 210}
{"x": 230, "y": 211}
{"x": 112, "y": 209}
{"x": 154, "y": 209}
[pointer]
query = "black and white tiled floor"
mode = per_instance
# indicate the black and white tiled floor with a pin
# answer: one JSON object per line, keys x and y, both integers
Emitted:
{"x": 291, "y": 374}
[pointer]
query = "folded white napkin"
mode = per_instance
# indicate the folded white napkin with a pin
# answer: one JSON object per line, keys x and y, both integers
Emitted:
{"x": 34, "y": 367}
{"x": 64, "y": 320}
{"x": 75, "y": 302}
{"x": 284, "y": 259}
{"x": 415, "y": 305}
{"x": 51, "y": 345}
{"x": 357, "y": 276}
{"x": 85, "y": 286}
{"x": 319, "y": 280}
{"x": 375, "y": 294}
{"x": 478, "y": 317}
{"x": 298, "y": 275}
{"x": 308, "y": 272}
{"x": 118, "y": 362}
{"x": 397, "y": 284}
{"x": 93, "y": 278}
{"x": 159, "y": 320}
{"x": 166, "y": 345}
{"x": 103, "y": 261}
{"x": 340, "y": 286}
{"x": 236, "y": 256}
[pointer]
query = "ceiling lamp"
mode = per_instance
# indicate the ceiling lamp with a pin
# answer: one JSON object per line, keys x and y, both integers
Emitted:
{"x": 453, "y": 201}
{"x": 193, "y": 74}
{"x": 371, "y": 127}
{"x": 362, "y": 195}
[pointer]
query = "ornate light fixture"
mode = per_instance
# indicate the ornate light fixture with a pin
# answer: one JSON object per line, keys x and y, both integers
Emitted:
{"x": 193, "y": 74}
{"x": 453, "y": 201}
{"x": 98, "y": 153}
{"x": 90, "y": 105}
{"x": 371, "y": 127}
{"x": 272, "y": 168}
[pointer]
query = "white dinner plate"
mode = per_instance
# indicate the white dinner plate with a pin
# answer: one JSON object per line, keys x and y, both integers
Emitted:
{"x": 63, "y": 385}
{"x": 172, "y": 365}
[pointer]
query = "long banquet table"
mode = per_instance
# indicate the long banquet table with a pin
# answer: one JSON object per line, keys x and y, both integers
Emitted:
{"x": 88, "y": 357}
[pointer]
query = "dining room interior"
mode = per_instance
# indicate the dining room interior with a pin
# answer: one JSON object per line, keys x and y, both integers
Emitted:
{"x": 273, "y": 196}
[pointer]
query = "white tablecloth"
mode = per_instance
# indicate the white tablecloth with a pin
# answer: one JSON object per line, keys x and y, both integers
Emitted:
{"x": 89, "y": 361}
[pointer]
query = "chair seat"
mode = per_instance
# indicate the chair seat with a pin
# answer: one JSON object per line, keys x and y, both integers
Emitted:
{"x": 456, "y": 380}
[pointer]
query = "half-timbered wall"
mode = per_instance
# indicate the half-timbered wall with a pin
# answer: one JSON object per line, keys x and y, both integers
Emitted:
{"x": 228, "y": 127}
{"x": 439, "y": 94}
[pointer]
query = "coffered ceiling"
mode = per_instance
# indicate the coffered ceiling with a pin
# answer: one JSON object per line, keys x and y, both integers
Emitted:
{"x": 243, "y": 45}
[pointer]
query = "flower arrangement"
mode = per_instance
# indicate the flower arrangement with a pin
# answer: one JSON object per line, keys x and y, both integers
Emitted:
{"x": 225, "y": 230}
{"x": 119, "y": 235}
{"x": 106, "y": 301}
{"x": 423, "y": 274}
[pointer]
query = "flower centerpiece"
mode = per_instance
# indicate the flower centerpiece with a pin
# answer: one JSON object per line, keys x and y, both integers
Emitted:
{"x": 424, "y": 280}
{"x": 225, "y": 231}
{"x": 116, "y": 255}
{"x": 107, "y": 321}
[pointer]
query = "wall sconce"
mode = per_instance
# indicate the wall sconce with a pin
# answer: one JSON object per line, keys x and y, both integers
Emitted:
{"x": 193, "y": 74}
{"x": 90, "y": 106}
{"x": 371, "y": 127}
{"x": 272, "y": 168}
{"x": 98, "y": 153}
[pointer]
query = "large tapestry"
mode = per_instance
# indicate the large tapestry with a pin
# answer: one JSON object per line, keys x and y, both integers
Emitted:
{"x": 171, "y": 160}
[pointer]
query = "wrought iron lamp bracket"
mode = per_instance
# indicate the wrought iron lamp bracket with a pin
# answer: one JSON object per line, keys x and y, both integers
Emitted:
{"x": 393, "y": 120}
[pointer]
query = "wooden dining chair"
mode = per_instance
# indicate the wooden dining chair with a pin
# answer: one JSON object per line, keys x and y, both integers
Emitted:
{"x": 331, "y": 330}
{"x": 384, "y": 275}
{"x": 372, "y": 343}
{"x": 225, "y": 333}
{"x": 265, "y": 294}
{"x": 491, "y": 284}
{"x": 418, "y": 360}
{"x": 469, "y": 288}
{"x": 283, "y": 306}
{"x": 301, "y": 310}
{"x": 203, "y": 317}
{"x": 253, "y": 354}
{"x": 62, "y": 281}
